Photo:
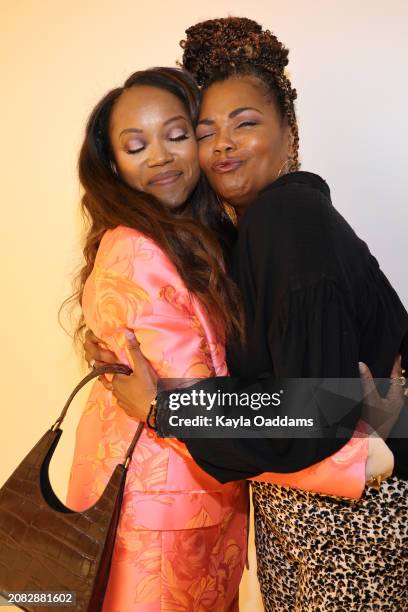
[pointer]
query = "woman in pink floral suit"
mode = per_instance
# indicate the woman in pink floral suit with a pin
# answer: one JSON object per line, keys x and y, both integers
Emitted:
{"x": 154, "y": 268}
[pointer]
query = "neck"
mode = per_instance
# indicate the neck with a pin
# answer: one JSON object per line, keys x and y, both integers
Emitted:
{"x": 239, "y": 207}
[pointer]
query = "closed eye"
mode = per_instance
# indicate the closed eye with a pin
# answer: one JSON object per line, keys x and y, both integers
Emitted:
{"x": 140, "y": 149}
{"x": 179, "y": 138}
{"x": 204, "y": 136}
{"x": 134, "y": 151}
{"x": 246, "y": 123}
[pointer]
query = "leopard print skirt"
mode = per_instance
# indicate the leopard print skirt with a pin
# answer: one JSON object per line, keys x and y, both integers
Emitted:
{"x": 321, "y": 554}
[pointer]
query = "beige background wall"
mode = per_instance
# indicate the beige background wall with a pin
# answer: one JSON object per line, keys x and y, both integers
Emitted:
{"x": 348, "y": 62}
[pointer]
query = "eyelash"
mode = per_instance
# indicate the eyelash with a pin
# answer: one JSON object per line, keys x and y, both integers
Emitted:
{"x": 177, "y": 139}
{"x": 243, "y": 124}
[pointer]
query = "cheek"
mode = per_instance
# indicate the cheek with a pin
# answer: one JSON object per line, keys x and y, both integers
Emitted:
{"x": 204, "y": 157}
{"x": 188, "y": 162}
{"x": 192, "y": 159}
{"x": 260, "y": 147}
{"x": 129, "y": 170}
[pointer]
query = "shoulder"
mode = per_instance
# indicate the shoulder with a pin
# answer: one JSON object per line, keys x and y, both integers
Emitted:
{"x": 296, "y": 202}
{"x": 291, "y": 234}
{"x": 290, "y": 221}
{"x": 122, "y": 247}
{"x": 122, "y": 240}
{"x": 126, "y": 255}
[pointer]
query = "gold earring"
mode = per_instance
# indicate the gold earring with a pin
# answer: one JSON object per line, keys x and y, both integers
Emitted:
{"x": 230, "y": 210}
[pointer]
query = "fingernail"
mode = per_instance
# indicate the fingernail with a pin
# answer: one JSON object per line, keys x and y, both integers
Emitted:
{"x": 362, "y": 367}
{"x": 129, "y": 334}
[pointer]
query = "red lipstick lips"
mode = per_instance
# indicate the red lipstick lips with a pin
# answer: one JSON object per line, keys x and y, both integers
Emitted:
{"x": 164, "y": 178}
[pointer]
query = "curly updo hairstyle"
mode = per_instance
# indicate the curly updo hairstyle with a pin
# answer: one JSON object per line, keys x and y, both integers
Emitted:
{"x": 218, "y": 49}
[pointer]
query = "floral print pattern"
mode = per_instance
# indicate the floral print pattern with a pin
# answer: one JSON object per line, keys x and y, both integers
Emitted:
{"x": 182, "y": 536}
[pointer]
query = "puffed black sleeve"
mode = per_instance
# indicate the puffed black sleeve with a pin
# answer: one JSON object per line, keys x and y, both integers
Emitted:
{"x": 299, "y": 324}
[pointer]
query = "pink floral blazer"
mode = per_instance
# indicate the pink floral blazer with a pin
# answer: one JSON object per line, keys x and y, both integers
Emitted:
{"x": 135, "y": 286}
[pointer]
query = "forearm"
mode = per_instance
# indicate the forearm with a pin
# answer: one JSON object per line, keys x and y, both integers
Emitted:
{"x": 236, "y": 457}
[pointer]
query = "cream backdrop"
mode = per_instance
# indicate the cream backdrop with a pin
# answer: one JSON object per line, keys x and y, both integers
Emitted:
{"x": 348, "y": 63}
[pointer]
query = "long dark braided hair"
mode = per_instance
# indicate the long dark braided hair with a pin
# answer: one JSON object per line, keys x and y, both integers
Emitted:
{"x": 218, "y": 49}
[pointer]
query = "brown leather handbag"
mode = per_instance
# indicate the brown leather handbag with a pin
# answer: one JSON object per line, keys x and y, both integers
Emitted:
{"x": 45, "y": 546}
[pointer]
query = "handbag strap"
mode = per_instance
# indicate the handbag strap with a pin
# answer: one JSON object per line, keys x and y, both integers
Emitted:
{"x": 116, "y": 368}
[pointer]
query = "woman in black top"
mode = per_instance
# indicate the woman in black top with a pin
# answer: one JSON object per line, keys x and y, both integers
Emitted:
{"x": 316, "y": 304}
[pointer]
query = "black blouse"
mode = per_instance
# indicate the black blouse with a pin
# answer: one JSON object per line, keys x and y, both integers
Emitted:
{"x": 316, "y": 303}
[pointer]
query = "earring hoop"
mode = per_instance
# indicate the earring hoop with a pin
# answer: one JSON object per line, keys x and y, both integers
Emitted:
{"x": 287, "y": 161}
{"x": 114, "y": 168}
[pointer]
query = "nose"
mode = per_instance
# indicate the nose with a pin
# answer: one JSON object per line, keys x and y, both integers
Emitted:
{"x": 159, "y": 155}
{"x": 224, "y": 142}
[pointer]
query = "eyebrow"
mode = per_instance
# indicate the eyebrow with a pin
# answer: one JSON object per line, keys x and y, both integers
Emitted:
{"x": 232, "y": 114}
{"x": 139, "y": 131}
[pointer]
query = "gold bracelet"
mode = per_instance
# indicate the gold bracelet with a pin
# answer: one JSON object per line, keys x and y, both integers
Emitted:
{"x": 152, "y": 414}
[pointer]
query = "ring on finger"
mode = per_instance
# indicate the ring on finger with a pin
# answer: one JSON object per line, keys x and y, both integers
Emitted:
{"x": 399, "y": 380}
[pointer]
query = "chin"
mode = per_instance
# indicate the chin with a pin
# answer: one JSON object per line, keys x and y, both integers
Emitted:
{"x": 174, "y": 204}
{"x": 230, "y": 187}
{"x": 234, "y": 195}
{"x": 173, "y": 201}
